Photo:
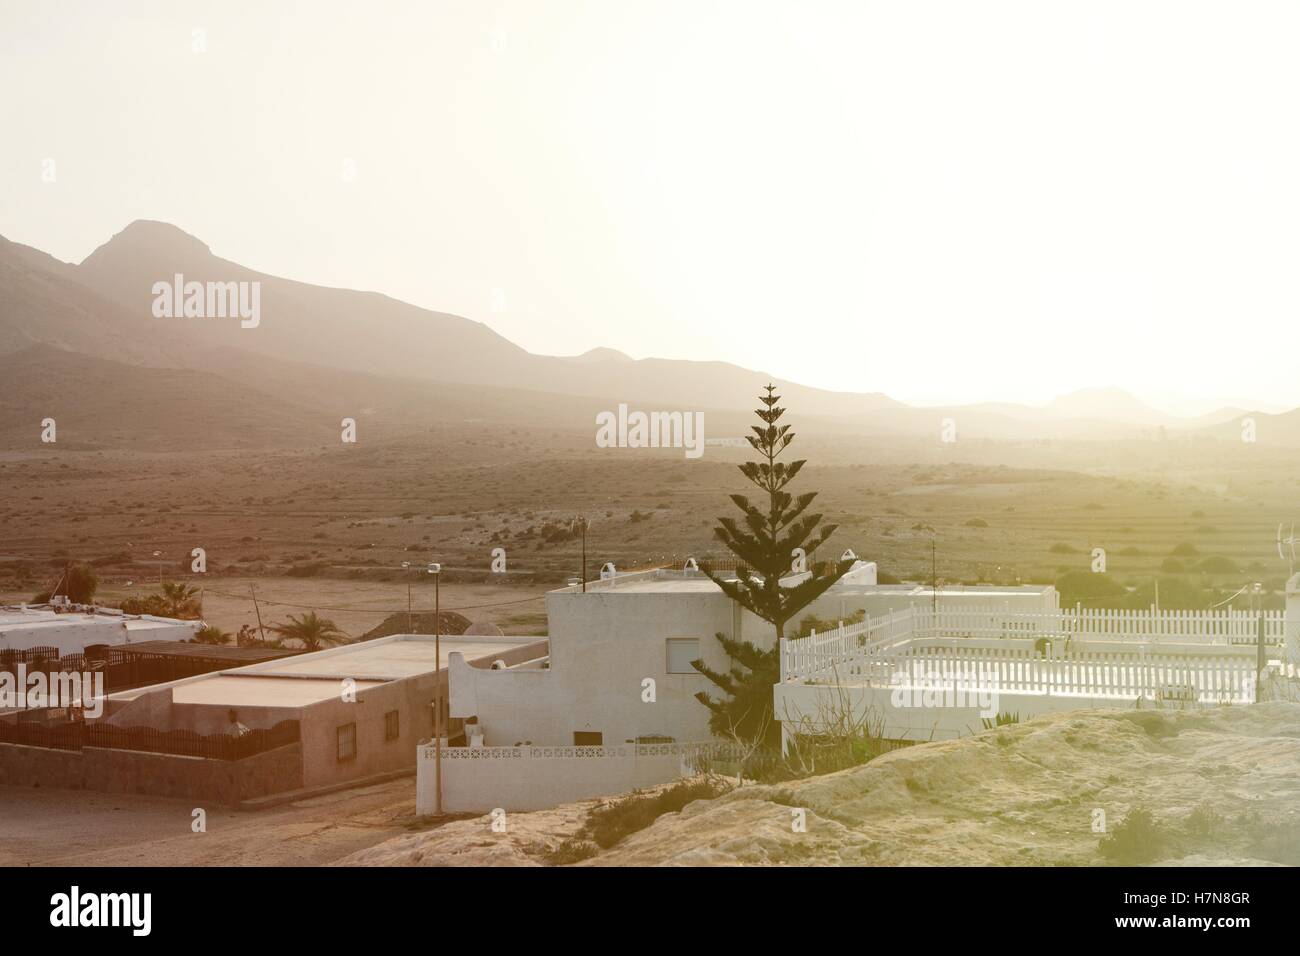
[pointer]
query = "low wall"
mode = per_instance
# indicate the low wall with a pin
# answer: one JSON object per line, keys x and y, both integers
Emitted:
{"x": 907, "y": 714}
{"x": 227, "y": 782}
{"x": 480, "y": 779}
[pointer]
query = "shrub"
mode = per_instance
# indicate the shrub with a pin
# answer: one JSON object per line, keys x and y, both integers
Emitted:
{"x": 1135, "y": 840}
{"x": 572, "y": 850}
{"x": 1217, "y": 564}
{"x": 1084, "y": 586}
{"x": 609, "y": 823}
{"x": 977, "y": 523}
{"x": 1062, "y": 548}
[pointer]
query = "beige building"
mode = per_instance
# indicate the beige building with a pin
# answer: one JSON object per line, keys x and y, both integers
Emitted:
{"x": 361, "y": 708}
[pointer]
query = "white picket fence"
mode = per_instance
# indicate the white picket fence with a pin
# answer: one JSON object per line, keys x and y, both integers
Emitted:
{"x": 1205, "y": 656}
{"x": 1225, "y": 676}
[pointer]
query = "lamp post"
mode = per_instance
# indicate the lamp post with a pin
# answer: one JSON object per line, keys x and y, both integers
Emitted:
{"x": 158, "y": 555}
{"x": 581, "y": 521}
{"x": 436, "y": 571}
{"x": 405, "y": 567}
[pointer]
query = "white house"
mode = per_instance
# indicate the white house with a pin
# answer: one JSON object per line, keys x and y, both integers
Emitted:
{"x": 71, "y": 630}
{"x": 619, "y": 668}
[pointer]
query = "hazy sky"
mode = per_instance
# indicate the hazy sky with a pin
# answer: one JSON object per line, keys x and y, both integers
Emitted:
{"x": 942, "y": 201}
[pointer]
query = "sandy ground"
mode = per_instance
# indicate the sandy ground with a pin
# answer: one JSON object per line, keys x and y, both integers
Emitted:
{"x": 42, "y": 827}
{"x": 358, "y": 606}
{"x": 1024, "y": 794}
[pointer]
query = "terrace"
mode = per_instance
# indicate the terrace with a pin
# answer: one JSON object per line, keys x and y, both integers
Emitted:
{"x": 934, "y": 672}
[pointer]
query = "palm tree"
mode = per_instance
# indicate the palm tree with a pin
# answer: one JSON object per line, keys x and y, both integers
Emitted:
{"x": 212, "y": 635}
{"x": 314, "y": 632}
{"x": 182, "y": 600}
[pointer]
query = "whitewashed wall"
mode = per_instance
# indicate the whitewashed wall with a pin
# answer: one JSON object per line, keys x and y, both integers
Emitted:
{"x": 479, "y": 780}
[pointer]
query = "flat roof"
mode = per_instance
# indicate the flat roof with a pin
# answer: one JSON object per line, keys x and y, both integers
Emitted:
{"x": 27, "y": 617}
{"x": 387, "y": 659}
{"x": 234, "y": 690}
{"x": 651, "y": 585}
{"x": 314, "y": 677}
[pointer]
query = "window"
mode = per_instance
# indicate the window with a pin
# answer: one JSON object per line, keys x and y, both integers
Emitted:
{"x": 347, "y": 739}
{"x": 655, "y": 739}
{"x": 681, "y": 651}
{"x": 392, "y": 725}
{"x": 588, "y": 738}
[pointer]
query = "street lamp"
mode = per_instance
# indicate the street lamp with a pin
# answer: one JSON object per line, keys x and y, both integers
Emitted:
{"x": 158, "y": 555}
{"x": 436, "y": 571}
{"x": 406, "y": 566}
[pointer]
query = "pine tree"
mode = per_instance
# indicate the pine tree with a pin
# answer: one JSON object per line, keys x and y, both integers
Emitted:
{"x": 765, "y": 542}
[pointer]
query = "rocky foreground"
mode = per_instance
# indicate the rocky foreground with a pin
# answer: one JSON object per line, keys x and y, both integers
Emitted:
{"x": 1222, "y": 785}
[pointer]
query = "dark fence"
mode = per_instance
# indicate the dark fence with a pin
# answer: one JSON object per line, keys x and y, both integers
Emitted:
{"x": 184, "y": 743}
{"x": 121, "y": 665}
{"x": 10, "y": 657}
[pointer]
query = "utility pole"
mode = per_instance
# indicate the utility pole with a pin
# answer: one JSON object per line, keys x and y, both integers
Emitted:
{"x": 252, "y": 589}
{"x": 436, "y": 571}
{"x": 934, "y": 580}
{"x": 1260, "y": 661}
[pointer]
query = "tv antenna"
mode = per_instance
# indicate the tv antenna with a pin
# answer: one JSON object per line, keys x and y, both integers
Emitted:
{"x": 1289, "y": 542}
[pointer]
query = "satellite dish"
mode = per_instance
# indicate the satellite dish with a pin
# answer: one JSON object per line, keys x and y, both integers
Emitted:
{"x": 848, "y": 555}
{"x": 608, "y": 572}
{"x": 690, "y": 565}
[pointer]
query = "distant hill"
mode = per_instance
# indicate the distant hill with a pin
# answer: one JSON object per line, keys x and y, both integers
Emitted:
{"x": 364, "y": 331}
{"x": 320, "y": 353}
{"x": 98, "y": 403}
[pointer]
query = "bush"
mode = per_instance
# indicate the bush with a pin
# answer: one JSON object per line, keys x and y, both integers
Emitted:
{"x": 1217, "y": 564}
{"x": 977, "y": 523}
{"x": 609, "y": 823}
{"x": 1135, "y": 840}
{"x": 572, "y": 850}
{"x": 1062, "y": 548}
{"x": 1076, "y": 587}
{"x": 1184, "y": 550}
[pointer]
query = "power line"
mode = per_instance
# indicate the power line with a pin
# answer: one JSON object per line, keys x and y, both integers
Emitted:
{"x": 367, "y": 610}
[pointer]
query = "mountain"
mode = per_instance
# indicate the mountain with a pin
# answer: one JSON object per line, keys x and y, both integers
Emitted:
{"x": 357, "y": 331}
{"x": 42, "y": 302}
{"x": 99, "y": 403}
{"x": 601, "y": 355}
{"x": 1110, "y": 404}
{"x": 319, "y": 349}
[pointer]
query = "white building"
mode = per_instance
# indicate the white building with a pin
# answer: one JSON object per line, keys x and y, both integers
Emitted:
{"x": 72, "y": 630}
{"x": 619, "y": 669}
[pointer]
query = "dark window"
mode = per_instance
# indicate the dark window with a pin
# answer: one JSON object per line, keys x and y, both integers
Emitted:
{"x": 392, "y": 725}
{"x": 347, "y": 740}
{"x": 680, "y": 652}
{"x": 588, "y": 738}
{"x": 655, "y": 739}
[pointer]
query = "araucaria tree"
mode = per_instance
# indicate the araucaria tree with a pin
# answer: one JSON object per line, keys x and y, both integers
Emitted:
{"x": 772, "y": 534}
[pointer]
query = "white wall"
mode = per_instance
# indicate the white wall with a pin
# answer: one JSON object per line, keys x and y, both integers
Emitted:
{"x": 605, "y": 642}
{"x": 602, "y": 646}
{"x": 479, "y": 780}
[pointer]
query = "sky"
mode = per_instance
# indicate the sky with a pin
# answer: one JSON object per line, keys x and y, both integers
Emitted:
{"x": 940, "y": 201}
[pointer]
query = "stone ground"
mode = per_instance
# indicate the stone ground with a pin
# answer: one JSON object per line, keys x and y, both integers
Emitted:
{"x": 41, "y": 827}
{"x": 1222, "y": 784}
